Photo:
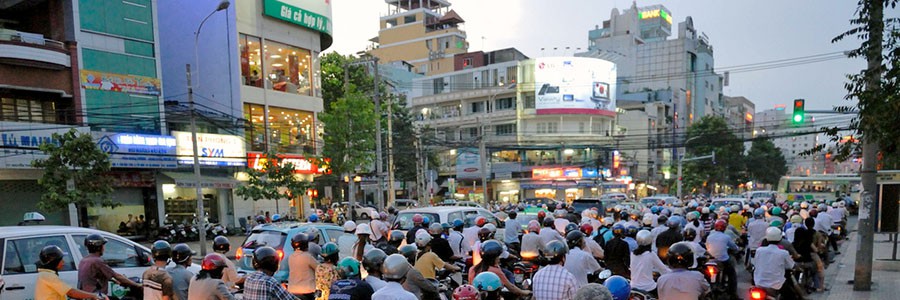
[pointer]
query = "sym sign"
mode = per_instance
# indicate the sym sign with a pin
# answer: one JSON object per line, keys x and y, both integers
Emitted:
{"x": 574, "y": 85}
{"x": 301, "y": 164}
{"x": 215, "y": 149}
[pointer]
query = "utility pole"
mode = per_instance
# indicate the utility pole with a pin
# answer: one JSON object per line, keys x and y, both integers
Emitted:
{"x": 390, "y": 145}
{"x": 484, "y": 168}
{"x": 862, "y": 275}
{"x": 379, "y": 170}
{"x": 418, "y": 144}
{"x": 201, "y": 213}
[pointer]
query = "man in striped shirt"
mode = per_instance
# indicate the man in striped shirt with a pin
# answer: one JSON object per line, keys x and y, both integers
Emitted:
{"x": 554, "y": 282}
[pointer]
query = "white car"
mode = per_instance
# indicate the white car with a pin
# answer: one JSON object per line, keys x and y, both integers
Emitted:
{"x": 729, "y": 201}
{"x": 444, "y": 214}
{"x": 362, "y": 212}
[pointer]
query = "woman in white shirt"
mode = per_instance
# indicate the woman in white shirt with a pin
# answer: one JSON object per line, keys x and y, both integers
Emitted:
{"x": 644, "y": 262}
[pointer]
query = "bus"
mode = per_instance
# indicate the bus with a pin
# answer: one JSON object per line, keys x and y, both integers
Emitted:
{"x": 818, "y": 187}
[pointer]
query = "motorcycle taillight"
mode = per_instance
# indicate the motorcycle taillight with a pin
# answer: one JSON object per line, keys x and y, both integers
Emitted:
{"x": 757, "y": 293}
{"x": 518, "y": 271}
{"x": 712, "y": 270}
{"x": 238, "y": 253}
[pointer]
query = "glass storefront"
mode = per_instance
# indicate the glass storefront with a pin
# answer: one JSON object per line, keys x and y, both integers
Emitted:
{"x": 290, "y": 130}
{"x": 251, "y": 67}
{"x": 181, "y": 203}
{"x": 506, "y": 156}
{"x": 288, "y": 68}
{"x": 540, "y": 157}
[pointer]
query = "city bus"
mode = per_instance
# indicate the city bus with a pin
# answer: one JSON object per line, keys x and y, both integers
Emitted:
{"x": 818, "y": 187}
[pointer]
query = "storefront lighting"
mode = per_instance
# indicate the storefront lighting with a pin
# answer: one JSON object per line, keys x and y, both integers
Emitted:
{"x": 168, "y": 188}
{"x": 568, "y": 152}
{"x": 275, "y": 56}
{"x": 504, "y": 181}
{"x": 277, "y": 65}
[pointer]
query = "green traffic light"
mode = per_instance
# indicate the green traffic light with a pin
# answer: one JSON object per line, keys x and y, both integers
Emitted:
{"x": 798, "y": 118}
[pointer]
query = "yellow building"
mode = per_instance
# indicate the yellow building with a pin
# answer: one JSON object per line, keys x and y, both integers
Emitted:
{"x": 424, "y": 33}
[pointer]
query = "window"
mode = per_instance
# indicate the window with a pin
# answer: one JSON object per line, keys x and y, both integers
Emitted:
{"x": 467, "y": 62}
{"x": 22, "y": 254}
{"x": 529, "y": 101}
{"x": 438, "y": 85}
{"x": 506, "y": 103}
{"x": 473, "y": 132}
{"x": 290, "y": 131}
{"x": 251, "y": 68}
{"x": 550, "y": 127}
{"x": 456, "y": 215}
{"x": 27, "y": 110}
{"x": 505, "y": 129}
{"x": 477, "y": 107}
{"x": 541, "y": 128}
{"x": 470, "y": 217}
{"x": 511, "y": 74}
{"x": 333, "y": 235}
{"x": 390, "y": 23}
{"x": 409, "y": 19}
{"x": 115, "y": 253}
{"x": 288, "y": 68}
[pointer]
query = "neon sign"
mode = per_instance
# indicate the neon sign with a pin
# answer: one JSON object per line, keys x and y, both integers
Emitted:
{"x": 656, "y": 13}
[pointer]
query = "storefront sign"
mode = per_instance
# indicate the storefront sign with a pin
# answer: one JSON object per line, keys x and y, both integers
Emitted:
{"x": 132, "y": 84}
{"x": 315, "y": 14}
{"x": 133, "y": 179}
{"x": 19, "y": 142}
{"x": 555, "y": 173}
{"x": 301, "y": 164}
{"x": 214, "y": 149}
{"x": 468, "y": 163}
{"x": 129, "y": 150}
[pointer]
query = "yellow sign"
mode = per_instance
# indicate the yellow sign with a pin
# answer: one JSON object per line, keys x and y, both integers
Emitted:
{"x": 656, "y": 13}
{"x": 132, "y": 84}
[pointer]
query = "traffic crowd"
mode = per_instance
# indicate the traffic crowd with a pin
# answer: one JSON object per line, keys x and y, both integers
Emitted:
{"x": 662, "y": 251}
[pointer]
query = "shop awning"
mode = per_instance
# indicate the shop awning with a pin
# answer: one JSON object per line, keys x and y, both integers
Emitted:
{"x": 188, "y": 180}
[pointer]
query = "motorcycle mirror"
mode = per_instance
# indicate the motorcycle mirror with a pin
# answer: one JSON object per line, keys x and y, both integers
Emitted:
{"x": 605, "y": 274}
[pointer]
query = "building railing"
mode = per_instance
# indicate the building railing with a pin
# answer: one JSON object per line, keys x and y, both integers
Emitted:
{"x": 9, "y": 35}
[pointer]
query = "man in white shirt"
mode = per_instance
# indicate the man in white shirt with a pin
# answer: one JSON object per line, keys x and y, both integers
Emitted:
{"x": 395, "y": 269}
{"x": 531, "y": 242}
{"x": 379, "y": 228}
{"x": 549, "y": 233}
{"x": 578, "y": 262}
{"x": 372, "y": 262}
{"x": 771, "y": 262}
{"x": 512, "y": 231}
{"x": 471, "y": 233}
{"x": 346, "y": 241}
{"x": 457, "y": 241}
{"x": 756, "y": 231}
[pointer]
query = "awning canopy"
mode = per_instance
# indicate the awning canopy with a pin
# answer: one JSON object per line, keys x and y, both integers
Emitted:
{"x": 188, "y": 180}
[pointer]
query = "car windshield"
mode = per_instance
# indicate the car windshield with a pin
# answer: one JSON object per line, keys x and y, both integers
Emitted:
{"x": 269, "y": 238}
{"x": 721, "y": 203}
{"x": 650, "y": 201}
{"x": 404, "y": 219}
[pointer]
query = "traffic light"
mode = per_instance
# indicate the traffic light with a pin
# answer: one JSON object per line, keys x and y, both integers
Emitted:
{"x": 799, "y": 111}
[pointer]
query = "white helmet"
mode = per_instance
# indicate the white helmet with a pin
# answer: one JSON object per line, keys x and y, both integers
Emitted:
{"x": 840, "y": 203}
{"x": 349, "y": 226}
{"x": 834, "y": 204}
{"x": 608, "y": 221}
{"x": 804, "y": 205}
{"x": 648, "y": 219}
{"x": 644, "y": 238}
{"x": 491, "y": 227}
{"x": 422, "y": 239}
{"x": 773, "y": 234}
{"x": 735, "y": 208}
{"x": 363, "y": 229}
{"x": 823, "y": 207}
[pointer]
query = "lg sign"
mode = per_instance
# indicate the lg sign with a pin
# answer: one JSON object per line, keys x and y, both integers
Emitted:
{"x": 301, "y": 165}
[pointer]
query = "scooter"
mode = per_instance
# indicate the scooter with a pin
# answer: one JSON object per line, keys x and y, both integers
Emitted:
{"x": 524, "y": 270}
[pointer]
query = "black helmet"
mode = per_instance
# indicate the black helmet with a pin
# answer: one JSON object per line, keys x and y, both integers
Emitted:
{"x": 300, "y": 242}
{"x": 491, "y": 248}
{"x": 265, "y": 258}
{"x": 548, "y": 222}
{"x": 484, "y": 234}
{"x": 409, "y": 251}
{"x": 690, "y": 234}
{"x": 623, "y": 215}
{"x": 396, "y": 237}
{"x": 391, "y": 210}
{"x": 512, "y": 214}
{"x": 181, "y": 253}
{"x": 373, "y": 259}
{"x": 161, "y": 250}
{"x": 574, "y": 239}
{"x": 50, "y": 257}
{"x": 555, "y": 251}
{"x": 94, "y": 242}
{"x": 680, "y": 255}
{"x": 571, "y": 227}
{"x": 618, "y": 230}
{"x": 221, "y": 244}
{"x": 631, "y": 231}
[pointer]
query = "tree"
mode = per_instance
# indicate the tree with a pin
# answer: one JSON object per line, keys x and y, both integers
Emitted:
{"x": 765, "y": 163}
{"x": 275, "y": 180}
{"x": 75, "y": 172}
{"x": 332, "y": 66}
{"x": 349, "y": 134}
{"x": 710, "y": 134}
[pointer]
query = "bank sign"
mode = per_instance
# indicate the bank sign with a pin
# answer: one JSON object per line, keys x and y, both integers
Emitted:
{"x": 214, "y": 149}
{"x": 129, "y": 150}
{"x": 312, "y": 14}
{"x": 19, "y": 142}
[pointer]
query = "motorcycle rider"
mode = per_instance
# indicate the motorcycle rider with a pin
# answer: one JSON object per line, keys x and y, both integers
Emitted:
{"x": 48, "y": 284}
{"x": 604, "y": 233}
{"x": 549, "y": 232}
{"x": 630, "y": 234}
{"x": 221, "y": 246}
{"x": 699, "y": 250}
{"x": 260, "y": 285}
{"x": 618, "y": 286}
{"x": 314, "y": 249}
{"x": 302, "y": 277}
{"x": 440, "y": 245}
{"x": 417, "y": 220}
{"x": 94, "y": 273}
{"x": 531, "y": 241}
{"x": 415, "y": 283}
{"x": 491, "y": 251}
{"x": 590, "y": 244}
{"x": 512, "y": 232}
{"x": 644, "y": 263}
{"x": 326, "y": 272}
{"x": 346, "y": 241}
{"x": 427, "y": 261}
{"x": 373, "y": 260}
{"x": 471, "y": 233}
{"x": 396, "y": 270}
{"x": 350, "y": 286}
{"x": 693, "y": 222}
{"x": 208, "y": 284}
{"x": 489, "y": 285}
{"x": 579, "y": 262}
{"x": 181, "y": 277}
{"x": 756, "y": 232}
{"x": 669, "y": 237}
{"x": 363, "y": 231}
{"x": 718, "y": 245}
{"x": 553, "y": 281}
{"x": 457, "y": 240}
{"x": 682, "y": 283}
{"x": 617, "y": 253}
{"x": 770, "y": 264}
{"x": 379, "y": 227}
{"x": 395, "y": 238}
{"x": 156, "y": 281}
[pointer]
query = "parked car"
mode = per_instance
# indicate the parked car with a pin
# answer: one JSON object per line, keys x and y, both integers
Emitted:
{"x": 278, "y": 236}
{"x": 362, "y": 212}
{"x": 729, "y": 201}
{"x": 405, "y": 203}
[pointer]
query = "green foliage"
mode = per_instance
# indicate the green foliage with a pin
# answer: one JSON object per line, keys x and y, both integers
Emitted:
{"x": 75, "y": 158}
{"x": 349, "y": 133}
{"x": 765, "y": 163}
{"x": 274, "y": 181}
{"x": 705, "y": 136}
{"x": 332, "y": 66}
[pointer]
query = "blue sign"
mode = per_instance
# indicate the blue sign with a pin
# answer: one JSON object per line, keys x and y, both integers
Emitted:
{"x": 130, "y": 150}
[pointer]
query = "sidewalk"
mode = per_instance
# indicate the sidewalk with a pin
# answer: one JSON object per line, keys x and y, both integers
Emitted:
{"x": 885, "y": 273}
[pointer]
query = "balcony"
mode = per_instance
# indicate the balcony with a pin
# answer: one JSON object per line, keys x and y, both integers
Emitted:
{"x": 31, "y": 49}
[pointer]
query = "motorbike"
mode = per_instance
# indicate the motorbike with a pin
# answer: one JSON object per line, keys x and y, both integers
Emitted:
{"x": 717, "y": 284}
{"x": 524, "y": 270}
{"x": 446, "y": 283}
{"x": 637, "y": 294}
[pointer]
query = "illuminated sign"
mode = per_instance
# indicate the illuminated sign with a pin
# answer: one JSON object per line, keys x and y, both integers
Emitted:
{"x": 779, "y": 107}
{"x": 301, "y": 164}
{"x": 748, "y": 117}
{"x": 215, "y": 149}
{"x": 554, "y": 173}
{"x": 315, "y": 15}
{"x": 656, "y": 13}
{"x": 129, "y": 150}
{"x": 574, "y": 85}
{"x": 20, "y": 142}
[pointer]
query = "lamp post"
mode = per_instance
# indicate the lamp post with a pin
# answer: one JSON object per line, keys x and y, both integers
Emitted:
{"x": 201, "y": 215}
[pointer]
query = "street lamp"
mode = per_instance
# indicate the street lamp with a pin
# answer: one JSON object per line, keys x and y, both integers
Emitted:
{"x": 201, "y": 215}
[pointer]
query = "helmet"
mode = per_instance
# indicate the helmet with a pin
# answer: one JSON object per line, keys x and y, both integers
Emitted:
{"x": 491, "y": 248}
{"x": 773, "y": 234}
{"x": 382, "y": 215}
{"x": 423, "y": 239}
{"x": 479, "y": 221}
{"x": 425, "y": 221}
{"x": 759, "y": 213}
{"x": 313, "y": 234}
{"x": 265, "y": 258}
{"x": 50, "y": 257}
{"x": 313, "y": 218}
{"x": 221, "y": 244}
{"x": 776, "y": 223}
{"x": 735, "y": 208}
{"x": 587, "y": 229}
{"x": 813, "y": 213}
{"x": 548, "y": 222}
{"x": 260, "y": 219}
{"x": 689, "y": 234}
{"x": 776, "y": 211}
{"x": 363, "y": 229}
{"x": 555, "y": 250}
{"x": 841, "y": 203}
{"x": 623, "y": 215}
{"x": 618, "y": 230}
{"x": 181, "y": 253}
{"x": 607, "y": 221}
{"x": 94, "y": 242}
{"x": 797, "y": 219}
{"x": 395, "y": 236}
{"x": 213, "y": 261}
{"x": 276, "y": 217}
{"x": 349, "y": 267}
{"x": 673, "y": 222}
{"x": 161, "y": 250}
{"x": 804, "y": 205}
{"x": 574, "y": 239}
{"x": 445, "y": 226}
{"x": 644, "y": 238}
{"x": 329, "y": 249}
{"x": 487, "y": 282}
{"x": 647, "y": 220}
{"x": 680, "y": 255}
{"x": 834, "y": 204}
{"x": 533, "y": 226}
{"x": 465, "y": 292}
{"x": 457, "y": 223}
{"x": 395, "y": 267}
{"x": 300, "y": 242}
{"x": 654, "y": 209}
{"x": 692, "y": 215}
{"x": 484, "y": 234}
{"x": 374, "y": 259}
{"x": 417, "y": 219}
{"x": 349, "y": 226}
{"x": 705, "y": 210}
{"x": 409, "y": 251}
{"x": 631, "y": 231}
{"x": 618, "y": 286}
{"x": 491, "y": 227}
{"x": 571, "y": 227}
{"x": 720, "y": 225}
{"x": 391, "y": 210}
{"x": 541, "y": 215}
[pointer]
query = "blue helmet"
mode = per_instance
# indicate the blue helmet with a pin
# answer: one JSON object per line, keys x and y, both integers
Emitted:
{"x": 458, "y": 223}
{"x": 618, "y": 286}
{"x": 276, "y": 217}
{"x": 313, "y": 218}
{"x": 425, "y": 221}
{"x": 759, "y": 212}
{"x": 654, "y": 209}
{"x": 618, "y": 229}
{"x": 487, "y": 282}
{"x": 631, "y": 231}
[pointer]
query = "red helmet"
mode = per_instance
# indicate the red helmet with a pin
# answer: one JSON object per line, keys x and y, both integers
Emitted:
{"x": 541, "y": 215}
{"x": 465, "y": 292}
{"x": 813, "y": 213}
{"x": 480, "y": 221}
{"x": 212, "y": 261}
{"x": 700, "y": 209}
{"x": 720, "y": 225}
{"x": 586, "y": 228}
{"x": 417, "y": 219}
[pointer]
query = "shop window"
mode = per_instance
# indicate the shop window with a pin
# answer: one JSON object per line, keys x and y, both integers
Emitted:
{"x": 506, "y": 156}
{"x": 255, "y": 132}
{"x": 27, "y": 110}
{"x": 288, "y": 68}
{"x": 251, "y": 67}
{"x": 540, "y": 157}
{"x": 291, "y": 131}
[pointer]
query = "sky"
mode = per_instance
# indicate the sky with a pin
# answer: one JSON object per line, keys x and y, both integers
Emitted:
{"x": 741, "y": 32}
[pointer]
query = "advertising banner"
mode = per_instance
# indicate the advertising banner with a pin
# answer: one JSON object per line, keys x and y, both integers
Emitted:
{"x": 574, "y": 85}
{"x": 19, "y": 142}
{"x": 132, "y": 84}
{"x": 215, "y": 149}
{"x": 468, "y": 163}
{"x": 129, "y": 150}
{"x": 302, "y": 165}
{"x": 312, "y": 14}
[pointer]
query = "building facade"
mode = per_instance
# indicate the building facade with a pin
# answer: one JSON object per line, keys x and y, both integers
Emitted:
{"x": 739, "y": 113}
{"x": 776, "y": 123}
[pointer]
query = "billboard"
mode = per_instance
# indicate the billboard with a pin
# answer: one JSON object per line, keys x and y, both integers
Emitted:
{"x": 468, "y": 163}
{"x": 574, "y": 85}
{"x": 215, "y": 149}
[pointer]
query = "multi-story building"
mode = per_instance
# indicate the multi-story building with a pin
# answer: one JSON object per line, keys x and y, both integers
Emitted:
{"x": 647, "y": 133}
{"x": 739, "y": 113}
{"x": 423, "y": 33}
{"x": 792, "y": 141}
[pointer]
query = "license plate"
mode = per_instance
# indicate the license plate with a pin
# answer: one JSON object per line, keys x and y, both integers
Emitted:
{"x": 520, "y": 278}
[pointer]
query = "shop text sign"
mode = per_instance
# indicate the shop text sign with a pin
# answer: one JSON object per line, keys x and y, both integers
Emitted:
{"x": 555, "y": 173}
{"x": 132, "y": 84}
{"x": 282, "y": 10}
{"x": 129, "y": 150}
{"x": 214, "y": 149}
{"x": 19, "y": 142}
{"x": 301, "y": 164}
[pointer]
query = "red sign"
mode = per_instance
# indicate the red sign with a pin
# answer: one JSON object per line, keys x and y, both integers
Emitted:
{"x": 553, "y": 173}
{"x": 301, "y": 164}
